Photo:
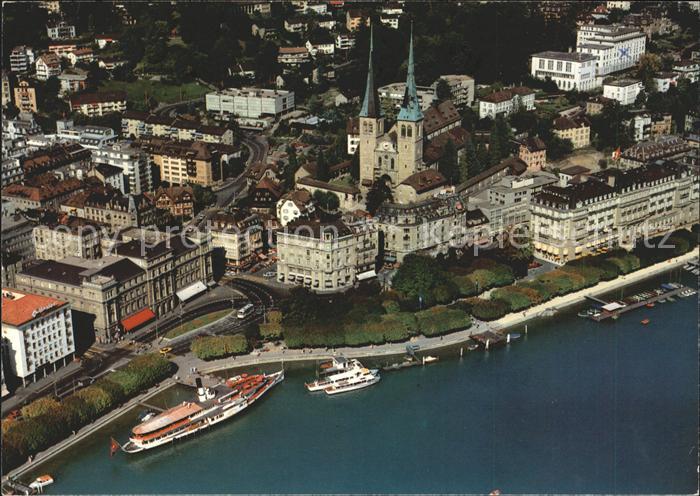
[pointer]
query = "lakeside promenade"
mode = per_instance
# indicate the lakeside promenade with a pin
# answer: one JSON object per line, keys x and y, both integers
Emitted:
{"x": 433, "y": 343}
{"x": 87, "y": 430}
{"x": 425, "y": 343}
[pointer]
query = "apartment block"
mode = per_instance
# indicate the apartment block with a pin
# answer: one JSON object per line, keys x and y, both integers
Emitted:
{"x": 251, "y": 103}
{"x": 239, "y": 234}
{"x": 25, "y": 97}
{"x": 97, "y": 104}
{"x": 327, "y": 257}
{"x": 38, "y": 331}
{"x": 133, "y": 161}
{"x": 506, "y": 102}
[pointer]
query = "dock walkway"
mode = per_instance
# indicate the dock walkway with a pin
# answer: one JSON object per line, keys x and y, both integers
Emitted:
{"x": 632, "y": 306}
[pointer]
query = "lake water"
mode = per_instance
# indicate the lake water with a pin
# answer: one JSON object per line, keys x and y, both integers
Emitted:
{"x": 572, "y": 407}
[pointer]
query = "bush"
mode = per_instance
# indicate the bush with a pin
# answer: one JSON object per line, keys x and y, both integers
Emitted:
{"x": 47, "y": 421}
{"x": 40, "y": 407}
{"x": 441, "y": 320}
{"x": 489, "y": 309}
{"x": 212, "y": 347}
{"x": 465, "y": 286}
{"x": 517, "y": 298}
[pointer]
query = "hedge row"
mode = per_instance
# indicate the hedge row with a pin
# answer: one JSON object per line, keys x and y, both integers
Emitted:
{"x": 213, "y": 347}
{"x": 386, "y": 328}
{"x": 47, "y": 421}
{"x": 573, "y": 276}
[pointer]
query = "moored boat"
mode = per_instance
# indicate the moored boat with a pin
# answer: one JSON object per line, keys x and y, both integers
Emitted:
{"x": 41, "y": 482}
{"x": 338, "y": 369}
{"x": 365, "y": 379}
{"x": 213, "y": 405}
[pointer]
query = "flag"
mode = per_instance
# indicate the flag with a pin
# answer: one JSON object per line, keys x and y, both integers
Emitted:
{"x": 616, "y": 154}
{"x": 113, "y": 446}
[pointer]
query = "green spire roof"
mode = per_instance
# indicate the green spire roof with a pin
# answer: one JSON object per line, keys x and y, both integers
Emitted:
{"x": 370, "y": 105}
{"x": 410, "y": 108}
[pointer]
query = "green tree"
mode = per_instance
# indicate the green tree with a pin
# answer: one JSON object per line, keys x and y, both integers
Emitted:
{"x": 203, "y": 197}
{"x": 447, "y": 164}
{"x": 443, "y": 91}
{"x": 378, "y": 194}
{"x": 421, "y": 281}
{"x": 327, "y": 200}
{"x": 648, "y": 65}
{"x": 322, "y": 172}
{"x": 558, "y": 148}
{"x": 499, "y": 141}
{"x": 292, "y": 166}
{"x": 467, "y": 160}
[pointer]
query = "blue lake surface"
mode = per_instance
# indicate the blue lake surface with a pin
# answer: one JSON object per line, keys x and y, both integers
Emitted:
{"x": 572, "y": 407}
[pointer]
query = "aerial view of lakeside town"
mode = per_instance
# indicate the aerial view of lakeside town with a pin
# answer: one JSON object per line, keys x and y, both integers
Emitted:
{"x": 445, "y": 247}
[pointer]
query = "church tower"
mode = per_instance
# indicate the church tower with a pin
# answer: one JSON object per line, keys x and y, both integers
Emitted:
{"x": 409, "y": 125}
{"x": 371, "y": 124}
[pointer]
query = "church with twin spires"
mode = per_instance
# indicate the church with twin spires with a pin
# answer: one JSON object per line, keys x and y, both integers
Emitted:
{"x": 398, "y": 152}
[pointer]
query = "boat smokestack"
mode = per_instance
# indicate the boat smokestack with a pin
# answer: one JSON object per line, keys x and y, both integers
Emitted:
{"x": 201, "y": 392}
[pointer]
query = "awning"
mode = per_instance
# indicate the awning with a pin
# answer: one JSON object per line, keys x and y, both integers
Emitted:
{"x": 611, "y": 307}
{"x": 366, "y": 275}
{"x": 190, "y": 291}
{"x": 138, "y": 319}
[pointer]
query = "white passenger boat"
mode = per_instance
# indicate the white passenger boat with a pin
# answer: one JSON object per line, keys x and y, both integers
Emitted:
{"x": 364, "y": 379}
{"x": 337, "y": 369}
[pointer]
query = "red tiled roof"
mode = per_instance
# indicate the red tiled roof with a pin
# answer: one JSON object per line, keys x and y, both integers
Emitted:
{"x": 88, "y": 98}
{"x": 137, "y": 319}
{"x": 19, "y": 307}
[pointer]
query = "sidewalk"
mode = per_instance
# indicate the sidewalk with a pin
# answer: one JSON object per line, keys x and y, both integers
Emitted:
{"x": 431, "y": 343}
{"x": 45, "y": 455}
{"x": 36, "y": 388}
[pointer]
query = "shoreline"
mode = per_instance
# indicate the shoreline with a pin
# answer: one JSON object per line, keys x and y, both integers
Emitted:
{"x": 44, "y": 456}
{"x": 426, "y": 344}
{"x": 454, "y": 338}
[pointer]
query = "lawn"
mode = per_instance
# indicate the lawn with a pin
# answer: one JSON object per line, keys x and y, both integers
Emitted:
{"x": 197, "y": 323}
{"x": 138, "y": 91}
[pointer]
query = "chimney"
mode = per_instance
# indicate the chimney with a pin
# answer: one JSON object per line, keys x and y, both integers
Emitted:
{"x": 611, "y": 181}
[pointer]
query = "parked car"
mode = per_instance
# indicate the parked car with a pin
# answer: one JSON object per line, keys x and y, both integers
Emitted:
{"x": 270, "y": 273}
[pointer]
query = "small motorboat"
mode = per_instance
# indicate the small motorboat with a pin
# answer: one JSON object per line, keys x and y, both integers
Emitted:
{"x": 645, "y": 321}
{"x": 671, "y": 298}
{"x": 147, "y": 416}
{"x": 472, "y": 346}
{"x": 41, "y": 482}
{"x": 513, "y": 335}
{"x": 429, "y": 359}
{"x": 650, "y": 305}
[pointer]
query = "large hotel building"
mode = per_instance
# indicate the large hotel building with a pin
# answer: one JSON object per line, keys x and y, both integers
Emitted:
{"x": 613, "y": 207}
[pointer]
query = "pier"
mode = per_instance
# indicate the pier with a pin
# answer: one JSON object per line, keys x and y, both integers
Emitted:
{"x": 618, "y": 309}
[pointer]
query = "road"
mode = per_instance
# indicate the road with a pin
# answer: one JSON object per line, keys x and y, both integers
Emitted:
{"x": 257, "y": 146}
{"x": 261, "y": 297}
{"x": 170, "y": 108}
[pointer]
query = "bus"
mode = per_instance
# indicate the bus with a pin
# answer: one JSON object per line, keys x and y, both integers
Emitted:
{"x": 245, "y": 311}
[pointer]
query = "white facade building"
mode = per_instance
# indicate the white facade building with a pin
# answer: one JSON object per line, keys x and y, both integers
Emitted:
{"x": 612, "y": 208}
{"x": 664, "y": 81}
{"x": 47, "y": 65}
{"x": 39, "y": 332}
{"x": 132, "y": 161}
{"x": 21, "y": 58}
{"x": 327, "y": 257}
{"x": 624, "y": 91}
{"x": 392, "y": 94}
{"x": 616, "y": 47}
{"x": 568, "y": 70}
{"x": 461, "y": 87}
{"x": 60, "y": 30}
{"x": 506, "y": 102}
{"x": 250, "y": 102}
